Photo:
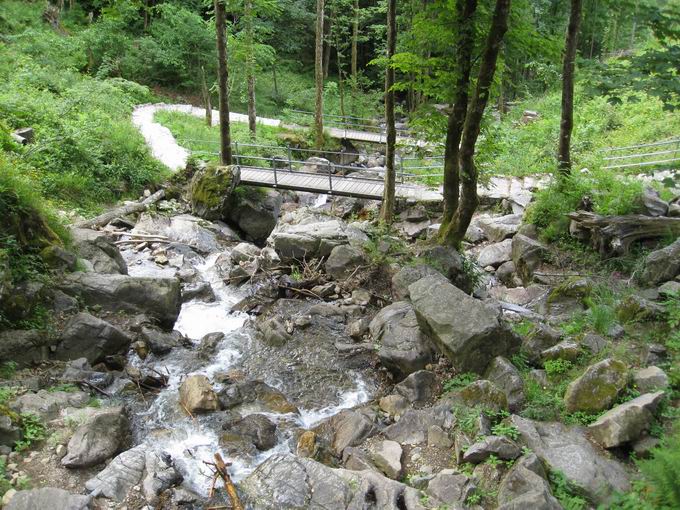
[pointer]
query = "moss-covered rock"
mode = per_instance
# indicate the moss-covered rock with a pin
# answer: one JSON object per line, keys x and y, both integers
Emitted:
{"x": 211, "y": 189}
{"x": 484, "y": 393}
{"x": 598, "y": 388}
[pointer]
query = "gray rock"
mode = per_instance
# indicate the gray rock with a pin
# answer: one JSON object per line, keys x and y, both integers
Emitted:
{"x": 483, "y": 393}
{"x": 506, "y": 274}
{"x": 211, "y": 190}
{"x": 566, "y": 350}
{"x": 256, "y": 214}
{"x": 542, "y": 337}
{"x": 184, "y": 229}
{"x": 274, "y": 331}
{"x": 97, "y": 248}
{"x": 244, "y": 252}
{"x": 157, "y": 297}
{"x": 495, "y": 254}
{"x": 343, "y": 261}
{"x": 254, "y": 428}
{"x": 417, "y": 387}
{"x": 626, "y": 422}
{"x": 653, "y": 204}
{"x": 523, "y": 488}
{"x": 9, "y": 433}
{"x": 387, "y": 458}
{"x": 594, "y": 343}
{"x": 449, "y": 263}
{"x": 48, "y": 498}
{"x": 438, "y": 438}
{"x": 63, "y": 303}
{"x": 47, "y": 404}
{"x": 350, "y": 428}
{"x": 451, "y": 487}
{"x": 87, "y": 336}
{"x": 471, "y": 336}
{"x": 661, "y": 265}
{"x": 98, "y": 439}
{"x": 527, "y": 254}
{"x": 394, "y": 405}
{"x": 24, "y": 347}
{"x": 566, "y": 449}
{"x": 598, "y": 387}
{"x": 197, "y": 395}
{"x": 161, "y": 343}
{"x": 499, "y": 446}
{"x": 413, "y": 425}
{"x": 505, "y": 376}
{"x": 317, "y": 165}
{"x": 669, "y": 289}
{"x": 650, "y": 379}
{"x": 500, "y": 228}
{"x": 404, "y": 348}
{"x": 286, "y": 482}
{"x": 408, "y": 275}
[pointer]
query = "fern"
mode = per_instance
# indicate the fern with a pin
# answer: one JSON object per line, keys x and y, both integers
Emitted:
{"x": 662, "y": 472}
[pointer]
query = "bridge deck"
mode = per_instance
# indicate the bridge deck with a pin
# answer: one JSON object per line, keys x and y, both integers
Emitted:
{"x": 335, "y": 185}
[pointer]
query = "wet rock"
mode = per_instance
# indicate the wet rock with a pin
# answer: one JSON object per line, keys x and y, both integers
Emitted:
{"x": 451, "y": 487}
{"x": 98, "y": 439}
{"x": 542, "y": 337}
{"x": 566, "y": 350}
{"x": 499, "y": 228}
{"x": 499, "y": 446}
{"x": 184, "y": 230}
{"x": 594, "y": 343}
{"x": 568, "y": 450}
{"x": 343, "y": 261}
{"x": 387, "y": 458}
{"x": 274, "y": 331}
{"x": 449, "y": 263}
{"x": 505, "y": 376}
{"x": 197, "y": 395}
{"x": 208, "y": 344}
{"x": 286, "y": 482}
{"x": 661, "y": 265}
{"x": 626, "y": 422}
{"x": 358, "y": 328}
{"x": 266, "y": 398}
{"x": 307, "y": 445}
{"x": 48, "y": 498}
{"x": 495, "y": 254}
{"x": 156, "y": 297}
{"x": 525, "y": 486}
{"x": 47, "y": 405}
{"x": 652, "y": 203}
{"x": 597, "y": 389}
{"x": 650, "y": 379}
{"x": 24, "y": 347}
{"x": 244, "y": 252}
{"x": 87, "y": 336}
{"x": 254, "y": 428}
{"x": 161, "y": 343}
{"x": 404, "y": 348}
{"x": 80, "y": 370}
{"x": 211, "y": 190}
{"x": 350, "y": 428}
{"x": 313, "y": 240}
{"x": 394, "y": 405}
{"x": 97, "y": 248}
{"x": 472, "y": 336}
{"x": 417, "y": 387}
{"x": 527, "y": 254}
{"x": 408, "y": 275}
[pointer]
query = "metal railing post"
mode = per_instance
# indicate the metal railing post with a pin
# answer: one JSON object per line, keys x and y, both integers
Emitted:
{"x": 238, "y": 159}
{"x": 276, "y": 180}
{"x": 401, "y": 166}
{"x": 330, "y": 179}
{"x": 290, "y": 163}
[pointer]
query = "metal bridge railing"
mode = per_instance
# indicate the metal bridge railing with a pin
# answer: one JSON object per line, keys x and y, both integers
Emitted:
{"x": 643, "y": 155}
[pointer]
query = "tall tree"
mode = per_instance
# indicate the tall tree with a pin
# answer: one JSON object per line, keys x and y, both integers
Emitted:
{"x": 454, "y": 233}
{"x": 567, "y": 121}
{"x": 318, "y": 75}
{"x": 250, "y": 66}
{"x": 205, "y": 91}
{"x": 355, "y": 41}
{"x": 223, "y": 82}
{"x": 387, "y": 209}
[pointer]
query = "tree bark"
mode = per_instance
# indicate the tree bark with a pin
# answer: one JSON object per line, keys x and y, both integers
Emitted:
{"x": 207, "y": 103}
{"x": 567, "y": 121}
{"x": 318, "y": 75}
{"x": 469, "y": 200}
{"x": 355, "y": 42}
{"x": 328, "y": 27}
{"x": 223, "y": 82}
{"x": 252, "y": 113}
{"x": 465, "y": 45}
{"x": 387, "y": 209}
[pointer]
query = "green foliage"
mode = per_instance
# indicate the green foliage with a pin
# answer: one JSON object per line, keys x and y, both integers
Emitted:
{"x": 502, "y": 429}
{"x": 67, "y": 387}
{"x": 543, "y": 404}
{"x": 565, "y": 492}
{"x": 459, "y": 381}
{"x": 523, "y": 328}
{"x": 33, "y": 431}
{"x": 5, "y": 485}
{"x": 555, "y": 367}
{"x": 662, "y": 473}
{"x": 581, "y": 418}
{"x": 8, "y": 369}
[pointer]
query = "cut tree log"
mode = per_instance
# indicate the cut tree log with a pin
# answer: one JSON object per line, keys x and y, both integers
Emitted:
{"x": 103, "y": 219}
{"x": 614, "y": 235}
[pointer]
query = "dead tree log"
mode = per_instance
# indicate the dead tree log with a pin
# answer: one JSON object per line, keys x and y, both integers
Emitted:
{"x": 103, "y": 219}
{"x": 614, "y": 235}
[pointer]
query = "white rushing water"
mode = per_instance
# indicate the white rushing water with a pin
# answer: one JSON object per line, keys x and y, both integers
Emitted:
{"x": 193, "y": 442}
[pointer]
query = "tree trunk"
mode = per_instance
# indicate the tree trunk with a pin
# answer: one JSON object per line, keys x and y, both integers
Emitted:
{"x": 355, "y": 42}
{"x": 318, "y": 75}
{"x": 567, "y": 122}
{"x": 223, "y": 82}
{"x": 473, "y": 120}
{"x": 387, "y": 209}
{"x": 252, "y": 114}
{"x": 207, "y": 103}
{"x": 328, "y": 27}
{"x": 341, "y": 81}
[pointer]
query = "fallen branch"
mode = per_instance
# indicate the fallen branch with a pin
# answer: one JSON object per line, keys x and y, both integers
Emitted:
{"x": 103, "y": 219}
{"x": 221, "y": 468}
{"x": 90, "y": 385}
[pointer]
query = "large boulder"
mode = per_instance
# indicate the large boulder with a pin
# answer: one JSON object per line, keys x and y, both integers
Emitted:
{"x": 196, "y": 395}
{"x": 387, "y": 458}
{"x": 598, "y": 388}
{"x": 495, "y": 254}
{"x": 191, "y": 231}
{"x": 344, "y": 260}
{"x": 499, "y": 446}
{"x": 450, "y": 263}
{"x": 404, "y": 348}
{"x": 255, "y": 212}
{"x": 466, "y": 330}
{"x": 505, "y": 376}
{"x": 157, "y": 297}
{"x": 350, "y": 428}
{"x": 48, "y": 404}
{"x": 24, "y": 346}
{"x": 255, "y": 428}
{"x": 211, "y": 189}
{"x": 287, "y": 482}
{"x": 451, "y": 488}
{"x": 661, "y": 265}
{"x": 408, "y": 275}
{"x": 48, "y": 498}
{"x": 626, "y": 422}
{"x": 567, "y": 449}
{"x": 525, "y": 487}
{"x": 98, "y": 439}
{"x": 499, "y": 228}
{"x": 313, "y": 240}
{"x": 98, "y": 250}
{"x": 87, "y": 336}
{"x": 527, "y": 254}
{"x": 650, "y": 379}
